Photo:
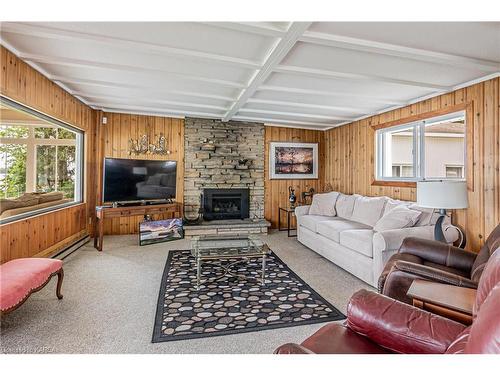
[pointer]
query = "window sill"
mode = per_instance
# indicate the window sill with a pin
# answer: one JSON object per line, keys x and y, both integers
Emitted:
{"x": 408, "y": 184}
{"x": 42, "y": 211}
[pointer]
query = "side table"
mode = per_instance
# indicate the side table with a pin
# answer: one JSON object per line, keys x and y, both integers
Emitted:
{"x": 452, "y": 302}
{"x": 290, "y": 212}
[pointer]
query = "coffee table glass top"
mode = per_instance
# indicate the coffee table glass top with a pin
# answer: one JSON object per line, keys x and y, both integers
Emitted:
{"x": 220, "y": 246}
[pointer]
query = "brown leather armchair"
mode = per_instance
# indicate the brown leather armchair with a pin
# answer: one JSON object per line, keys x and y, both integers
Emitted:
{"x": 418, "y": 258}
{"x": 377, "y": 324}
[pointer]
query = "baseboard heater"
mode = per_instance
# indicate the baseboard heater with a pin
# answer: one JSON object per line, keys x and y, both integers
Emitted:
{"x": 66, "y": 251}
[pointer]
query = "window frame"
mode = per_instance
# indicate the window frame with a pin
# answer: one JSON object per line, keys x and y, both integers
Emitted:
{"x": 418, "y": 126}
{"x": 79, "y": 158}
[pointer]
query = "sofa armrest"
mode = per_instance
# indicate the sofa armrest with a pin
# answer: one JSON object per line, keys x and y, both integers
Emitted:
{"x": 393, "y": 239}
{"x": 431, "y": 273}
{"x": 400, "y": 327}
{"x": 439, "y": 252}
{"x": 292, "y": 349}
{"x": 302, "y": 210}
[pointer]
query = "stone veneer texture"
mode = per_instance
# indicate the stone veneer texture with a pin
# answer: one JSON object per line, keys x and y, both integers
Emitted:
{"x": 234, "y": 140}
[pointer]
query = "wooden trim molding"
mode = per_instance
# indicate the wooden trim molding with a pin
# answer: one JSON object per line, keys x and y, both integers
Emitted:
{"x": 425, "y": 115}
{"x": 408, "y": 184}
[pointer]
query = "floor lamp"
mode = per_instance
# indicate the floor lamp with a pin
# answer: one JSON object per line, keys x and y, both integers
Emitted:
{"x": 442, "y": 195}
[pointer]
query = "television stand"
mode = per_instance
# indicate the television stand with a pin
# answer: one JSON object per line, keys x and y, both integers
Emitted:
{"x": 141, "y": 203}
{"x": 106, "y": 212}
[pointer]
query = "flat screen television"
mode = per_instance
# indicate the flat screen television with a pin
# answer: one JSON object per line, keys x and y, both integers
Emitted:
{"x": 127, "y": 180}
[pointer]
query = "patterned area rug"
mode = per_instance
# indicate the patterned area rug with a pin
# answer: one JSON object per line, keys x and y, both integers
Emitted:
{"x": 232, "y": 305}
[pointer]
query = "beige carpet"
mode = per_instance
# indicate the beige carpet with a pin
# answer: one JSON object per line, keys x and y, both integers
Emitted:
{"x": 110, "y": 300}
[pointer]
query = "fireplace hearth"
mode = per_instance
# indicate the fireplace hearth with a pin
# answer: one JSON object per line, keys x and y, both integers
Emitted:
{"x": 221, "y": 204}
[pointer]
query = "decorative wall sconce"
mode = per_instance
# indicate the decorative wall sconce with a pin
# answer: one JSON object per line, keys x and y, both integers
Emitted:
{"x": 142, "y": 146}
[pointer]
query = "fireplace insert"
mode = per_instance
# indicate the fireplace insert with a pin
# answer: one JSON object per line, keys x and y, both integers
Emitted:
{"x": 220, "y": 204}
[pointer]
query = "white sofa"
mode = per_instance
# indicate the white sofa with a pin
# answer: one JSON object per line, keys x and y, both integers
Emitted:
{"x": 349, "y": 240}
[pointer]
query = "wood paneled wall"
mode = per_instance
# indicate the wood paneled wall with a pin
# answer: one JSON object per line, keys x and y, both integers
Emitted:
{"x": 350, "y": 156}
{"x": 276, "y": 191}
{"x": 112, "y": 140}
{"x": 45, "y": 234}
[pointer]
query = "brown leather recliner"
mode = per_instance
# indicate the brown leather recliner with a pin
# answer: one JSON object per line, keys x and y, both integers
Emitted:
{"x": 379, "y": 324}
{"x": 436, "y": 261}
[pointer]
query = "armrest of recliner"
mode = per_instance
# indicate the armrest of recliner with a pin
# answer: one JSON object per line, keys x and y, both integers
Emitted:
{"x": 400, "y": 327}
{"x": 436, "y": 274}
{"x": 439, "y": 252}
{"x": 291, "y": 348}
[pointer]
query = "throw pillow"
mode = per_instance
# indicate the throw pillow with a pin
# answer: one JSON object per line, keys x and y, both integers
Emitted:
{"x": 429, "y": 215}
{"x": 50, "y": 197}
{"x": 154, "y": 180}
{"x": 324, "y": 204}
{"x": 368, "y": 210}
{"x": 397, "y": 218}
{"x": 345, "y": 205}
{"x": 28, "y": 199}
{"x": 393, "y": 203}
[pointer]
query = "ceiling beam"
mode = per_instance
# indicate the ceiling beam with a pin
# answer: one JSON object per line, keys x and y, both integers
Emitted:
{"x": 250, "y": 27}
{"x": 37, "y": 67}
{"x": 278, "y": 121}
{"x": 65, "y": 61}
{"x": 141, "y": 88}
{"x": 312, "y": 72}
{"x": 300, "y": 91}
{"x": 130, "y": 98}
{"x": 295, "y": 114}
{"x": 363, "y": 45}
{"x": 303, "y": 105}
{"x": 147, "y": 109}
{"x": 127, "y": 44}
{"x": 278, "y": 52}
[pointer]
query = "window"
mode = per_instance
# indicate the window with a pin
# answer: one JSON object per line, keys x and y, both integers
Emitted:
{"x": 38, "y": 156}
{"x": 453, "y": 171}
{"x": 402, "y": 170}
{"x": 429, "y": 149}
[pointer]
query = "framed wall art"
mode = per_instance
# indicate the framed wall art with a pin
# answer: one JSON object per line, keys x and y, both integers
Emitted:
{"x": 289, "y": 160}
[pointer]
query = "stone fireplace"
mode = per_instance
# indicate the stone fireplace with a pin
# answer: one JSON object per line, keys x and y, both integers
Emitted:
{"x": 234, "y": 162}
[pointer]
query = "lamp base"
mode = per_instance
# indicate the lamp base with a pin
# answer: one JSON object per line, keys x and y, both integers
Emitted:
{"x": 438, "y": 228}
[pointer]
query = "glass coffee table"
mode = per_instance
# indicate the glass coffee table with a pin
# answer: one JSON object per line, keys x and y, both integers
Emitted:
{"x": 222, "y": 247}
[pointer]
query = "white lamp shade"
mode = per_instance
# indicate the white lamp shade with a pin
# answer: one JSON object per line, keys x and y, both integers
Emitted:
{"x": 442, "y": 194}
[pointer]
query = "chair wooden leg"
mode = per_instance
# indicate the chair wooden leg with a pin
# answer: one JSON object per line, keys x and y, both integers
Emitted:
{"x": 60, "y": 276}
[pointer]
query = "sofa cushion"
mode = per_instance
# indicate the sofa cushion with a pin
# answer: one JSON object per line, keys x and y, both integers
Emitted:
{"x": 345, "y": 205}
{"x": 9, "y": 204}
{"x": 359, "y": 240}
{"x": 332, "y": 229}
{"x": 324, "y": 204}
{"x": 392, "y": 203}
{"x": 311, "y": 221}
{"x": 397, "y": 218}
{"x": 368, "y": 210}
{"x": 26, "y": 200}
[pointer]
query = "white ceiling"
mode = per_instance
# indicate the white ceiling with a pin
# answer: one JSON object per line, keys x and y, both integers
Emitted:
{"x": 310, "y": 75}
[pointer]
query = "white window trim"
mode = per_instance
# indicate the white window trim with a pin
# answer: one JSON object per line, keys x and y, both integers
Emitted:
{"x": 418, "y": 148}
